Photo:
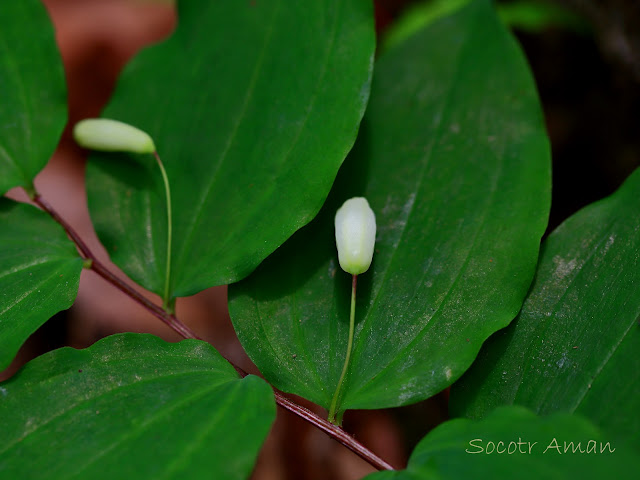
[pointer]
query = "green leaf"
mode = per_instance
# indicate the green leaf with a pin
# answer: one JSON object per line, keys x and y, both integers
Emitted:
{"x": 33, "y": 110}
{"x": 526, "y": 15}
{"x": 574, "y": 347}
{"x": 132, "y": 406}
{"x": 39, "y": 273}
{"x": 253, "y": 107}
{"x": 514, "y": 443}
{"x": 454, "y": 161}
{"x": 535, "y": 16}
{"x": 416, "y": 17}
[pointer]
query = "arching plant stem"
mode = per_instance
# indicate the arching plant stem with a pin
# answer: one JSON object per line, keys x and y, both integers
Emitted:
{"x": 336, "y": 416}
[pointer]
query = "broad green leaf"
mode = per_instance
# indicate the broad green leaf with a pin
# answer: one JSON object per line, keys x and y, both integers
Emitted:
{"x": 132, "y": 406}
{"x": 33, "y": 109}
{"x": 454, "y": 161}
{"x": 575, "y": 346}
{"x": 513, "y": 443}
{"x": 39, "y": 273}
{"x": 416, "y": 17}
{"x": 527, "y": 15}
{"x": 535, "y": 16}
{"x": 253, "y": 107}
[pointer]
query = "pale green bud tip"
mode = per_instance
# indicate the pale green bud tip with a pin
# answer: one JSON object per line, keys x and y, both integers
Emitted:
{"x": 355, "y": 235}
{"x": 112, "y": 136}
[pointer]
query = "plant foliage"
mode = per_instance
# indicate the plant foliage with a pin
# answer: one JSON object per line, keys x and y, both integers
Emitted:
{"x": 254, "y": 107}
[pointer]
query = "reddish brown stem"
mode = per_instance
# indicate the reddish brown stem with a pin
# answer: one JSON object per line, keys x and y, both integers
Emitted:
{"x": 98, "y": 267}
{"x": 335, "y": 432}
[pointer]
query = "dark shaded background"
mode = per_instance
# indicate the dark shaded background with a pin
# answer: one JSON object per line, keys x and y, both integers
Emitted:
{"x": 589, "y": 84}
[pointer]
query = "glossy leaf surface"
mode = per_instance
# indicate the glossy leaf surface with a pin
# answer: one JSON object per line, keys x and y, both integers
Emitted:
{"x": 514, "y": 443}
{"x": 39, "y": 273}
{"x": 253, "y": 107}
{"x": 575, "y": 346}
{"x": 33, "y": 110}
{"x": 453, "y": 158}
{"x": 132, "y": 406}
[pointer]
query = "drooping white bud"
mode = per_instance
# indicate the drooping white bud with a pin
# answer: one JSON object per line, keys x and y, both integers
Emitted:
{"x": 112, "y": 136}
{"x": 355, "y": 235}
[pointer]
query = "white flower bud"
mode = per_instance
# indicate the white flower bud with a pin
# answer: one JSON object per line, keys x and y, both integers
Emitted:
{"x": 112, "y": 136}
{"x": 355, "y": 235}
